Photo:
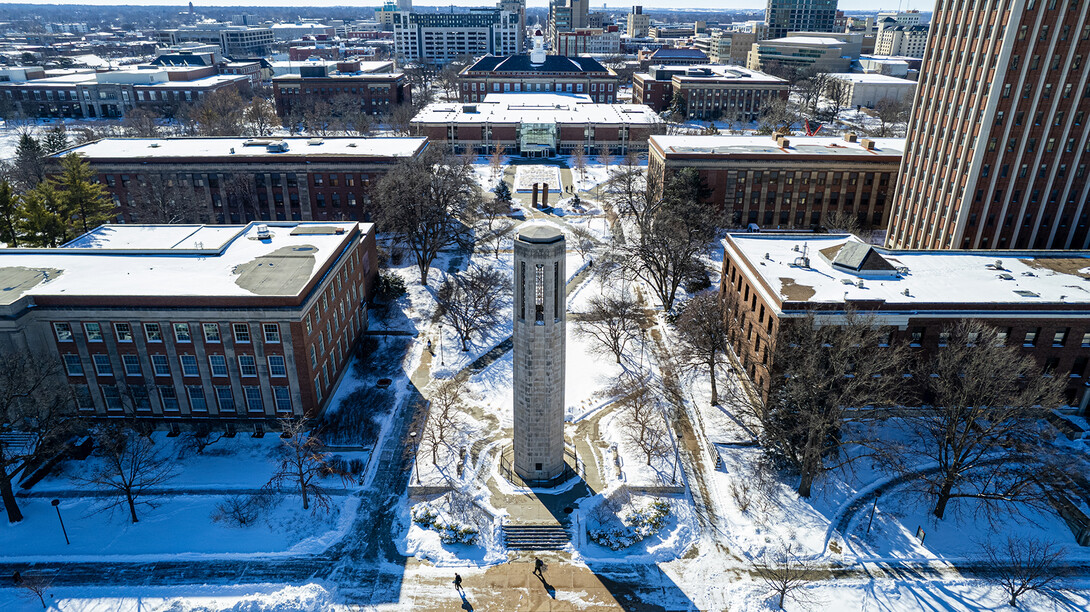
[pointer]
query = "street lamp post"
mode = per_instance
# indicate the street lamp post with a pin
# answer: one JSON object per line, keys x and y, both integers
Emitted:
{"x": 57, "y": 505}
{"x": 416, "y": 463}
{"x": 442, "y": 358}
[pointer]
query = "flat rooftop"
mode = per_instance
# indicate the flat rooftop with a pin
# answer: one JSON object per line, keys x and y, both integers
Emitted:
{"x": 160, "y": 148}
{"x": 748, "y": 146}
{"x": 208, "y": 81}
{"x": 727, "y": 73}
{"x": 536, "y": 108}
{"x": 177, "y": 261}
{"x": 877, "y": 79}
{"x": 817, "y": 41}
{"x": 1022, "y": 279}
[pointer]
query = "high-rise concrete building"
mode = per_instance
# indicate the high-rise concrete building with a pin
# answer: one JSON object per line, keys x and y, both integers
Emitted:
{"x": 538, "y": 371}
{"x": 442, "y": 37}
{"x": 785, "y": 16}
{"x": 998, "y": 141}
{"x": 638, "y": 23}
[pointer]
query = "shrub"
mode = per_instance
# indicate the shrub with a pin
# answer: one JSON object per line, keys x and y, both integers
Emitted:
{"x": 450, "y": 532}
{"x": 241, "y": 510}
{"x": 640, "y": 523}
{"x": 356, "y": 466}
{"x": 390, "y": 286}
{"x": 357, "y": 420}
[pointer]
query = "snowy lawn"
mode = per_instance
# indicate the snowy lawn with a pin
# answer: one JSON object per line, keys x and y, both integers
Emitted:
{"x": 190, "y": 598}
{"x": 179, "y": 527}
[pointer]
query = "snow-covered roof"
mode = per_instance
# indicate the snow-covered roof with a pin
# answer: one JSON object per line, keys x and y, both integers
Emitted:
{"x": 805, "y": 40}
{"x": 842, "y": 269}
{"x": 765, "y": 145}
{"x": 177, "y": 260}
{"x": 872, "y": 79}
{"x": 208, "y": 81}
{"x": 143, "y": 148}
{"x": 536, "y": 108}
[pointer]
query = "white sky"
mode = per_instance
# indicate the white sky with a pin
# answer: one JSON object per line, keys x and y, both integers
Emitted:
{"x": 849, "y": 5}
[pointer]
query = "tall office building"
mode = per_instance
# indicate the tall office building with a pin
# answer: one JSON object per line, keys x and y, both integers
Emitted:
{"x": 785, "y": 16}
{"x": 998, "y": 141}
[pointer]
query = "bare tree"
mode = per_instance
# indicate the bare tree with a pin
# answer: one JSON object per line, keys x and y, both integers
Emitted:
{"x": 494, "y": 237}
{"x": 302, "y": 464}
{"x": 579, "y": 162}
{"x": 785, "y": 573}
{"x": 240, "y": 191}
{"x": 201, "y": 437}
{"x": 494, "y": 208}
{"x": 582, "y": 240}
{"x": 839, "y": 94}
{"x": 156, "y": 198}
{"x": 892, "y": 115}
{"x": 445, "y": 424}
{"x": 130, "y": 466}
{"x": 818, "y": 372}
{"x": 495, "y": 162}
{"x": 259, "y": 118}
{"x": 217, "y": 114}
{"x": 472, "y": 301}
{"x": 400, "y": 119}
{"x": 36, "y": 585}
{"x": 613, "y": 321}
{"x": 34, "y": 400}
{"x": 1023, "y": 564}
{"x": 141, "y": 123}
{"x": 701, "y": 338}
{"x": 426, "y": 202}
{"x": 982, "y": 428}
{"x": 777, "y": 116}
{"x": 643, "y": 425}
{"x": 837, "y": 221}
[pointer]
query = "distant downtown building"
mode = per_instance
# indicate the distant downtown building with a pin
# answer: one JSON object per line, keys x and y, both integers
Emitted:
{"x": 236, "y": 326}
{"x": 538, "y": 125}
{"x": 819, "y": 53}
{"x": 708, "y": 93}
{"x": 538, "y": 72}
{"x": 236, "y": 180}
{"x": 794, "y": 182}
{"x": 914, "y": 297}
{"x": 999, "y": 141}
{"x": 440, "y": 38}
{"x": 236, "y": 41}
{"x": 783, "y": 16}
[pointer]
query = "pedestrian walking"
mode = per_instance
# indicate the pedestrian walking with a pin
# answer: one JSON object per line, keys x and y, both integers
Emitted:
{"x": 17, "y": 578}
{"x": 539, "y": 566}
{"x": 431, "y": 352}
{"x": 458, "y": 582}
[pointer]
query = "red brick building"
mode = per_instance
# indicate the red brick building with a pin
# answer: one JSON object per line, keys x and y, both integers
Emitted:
{"x": 236, "y": 325}
{"x": 1031, "y": 297}
{"x": 238, "y": 180}
{"x": 538, "y": 73}
{"x": 997, "y": 145}
{"x": 377, "y": 94}
{"x": 708, "y": 93}
{"x": 793, "y": 182}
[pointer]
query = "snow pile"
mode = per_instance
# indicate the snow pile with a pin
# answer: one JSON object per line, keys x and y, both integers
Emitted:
{"x": 306, "y": 598}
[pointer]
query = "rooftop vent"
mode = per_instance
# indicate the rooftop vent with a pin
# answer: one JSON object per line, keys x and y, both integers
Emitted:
{"x": 907, "y": 292}
{"x": 469, "y": 108}
{"x": 1005, "y": 276}
{"x": 263, "y": 232}
{"x": 315, "y": 142}
{"x": 1025, "y": 293}
{"x": 277, "y": 147}
{"x": 867, "y": 144}
{"x": 851, "y": 137}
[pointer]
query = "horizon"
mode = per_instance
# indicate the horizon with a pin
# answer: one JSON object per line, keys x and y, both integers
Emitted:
{"x": 724, "y": 5}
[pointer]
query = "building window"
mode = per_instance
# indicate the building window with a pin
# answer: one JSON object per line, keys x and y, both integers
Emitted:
{"x": 102, "y": 365}
{"x": 1031, "y": 337}
{"x": 318, "y": 387}
{"x": 539, "y": 293}
{"x": 112, "y": 396}
{"x": 272, "y": 332}
{"x": 123, "y": 332}
{"x": 1086, "y": 339}
{"x": 313, "y": 357}
{"x": 169, "y": 398}
{"x": 211, "y": 332}
{"x": 63, "y": 331}
{"x": 152, "y": 332}
{"x": 1059, "y": 338}
{"x": 82, "y": 394}
{"x": 282, "y": 398}
{"x": 181, "y": 332}
{"x": 242, "y": 332}
{"x": 917, "y": 336}
{"x": 225, "y": 399}
{"x": 247, "y": 365}
{"x": 189, "y": 365}
{"x": 253, "y": 399}
{"x": 218, "y": 364}
{"x": 159, "y": 365}
{"x": 73, "y": 364}
{"x": 132, "y": 365}
{"x": 197, "y": 402}
{"x": 277, "y": 366}
{"x": 1002, "y": 336}
{"x": 94, "y": 332}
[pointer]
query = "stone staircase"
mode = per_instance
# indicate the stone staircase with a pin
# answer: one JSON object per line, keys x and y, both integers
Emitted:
{"x": 535, "y": 537}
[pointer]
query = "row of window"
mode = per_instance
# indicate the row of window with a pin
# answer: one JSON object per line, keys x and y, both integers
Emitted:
{"x": 160, "y": 365}
{"x": 153, "y": 332}
{"x": 140, "y": 398}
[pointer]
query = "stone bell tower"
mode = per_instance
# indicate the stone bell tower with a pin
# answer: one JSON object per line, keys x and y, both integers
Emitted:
{"x": 538, "y": 372}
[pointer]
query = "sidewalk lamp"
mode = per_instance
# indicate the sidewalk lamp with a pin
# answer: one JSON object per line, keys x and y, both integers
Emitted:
{"x": 57, "y": 505}
{"x": 416, "y": 464}
{"x": 442, "y": 359}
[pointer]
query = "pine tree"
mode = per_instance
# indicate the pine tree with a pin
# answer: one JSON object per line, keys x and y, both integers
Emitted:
{"x": 9, "y": 214}
{"x": 85, "y": 199}
{"x": 503, "y": 192}
{"x": 29, "y": 166}
{"x": 43, "y": 222}
{"x": 55, "y": 141}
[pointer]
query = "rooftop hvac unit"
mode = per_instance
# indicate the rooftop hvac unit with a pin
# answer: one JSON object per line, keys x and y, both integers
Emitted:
{"x": 277, "y": 147}
{"x": 263, "y": 232}
{"x": 315, "y": 142}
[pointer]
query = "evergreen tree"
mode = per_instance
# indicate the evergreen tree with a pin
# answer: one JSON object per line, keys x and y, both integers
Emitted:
{"x": 85, "y": 199}
{"x": 43, "y": 222}
{"x": 55, "y": 141}
{"x": 29, "y": 166}
{"x": 9, "y": 214}
{"x": 503, "y": 192}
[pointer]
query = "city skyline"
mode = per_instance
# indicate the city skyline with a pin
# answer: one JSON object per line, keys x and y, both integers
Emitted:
{"x": 725, "y": 5}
